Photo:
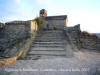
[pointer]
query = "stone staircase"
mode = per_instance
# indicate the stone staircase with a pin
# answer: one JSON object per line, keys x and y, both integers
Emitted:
{"x": 48, "y": 44}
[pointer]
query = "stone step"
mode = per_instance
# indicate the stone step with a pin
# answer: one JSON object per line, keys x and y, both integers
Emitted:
{"x": 48, "y": 40}
{"x": 36, "y": 57}
{"x": 50, "y": 34}
{"x": 54, "y": 34}
{"x": 49, "y": 37}
{"x": 47, "y": 53}
{"x": 46, "y": 49}
{"x": 52, "y": 31}
{"x": 48, "y": 43}
{"x": 38, "y": 45}
{"x": 46, "y": 32}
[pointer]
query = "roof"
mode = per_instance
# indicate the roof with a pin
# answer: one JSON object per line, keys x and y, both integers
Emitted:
{"x": 17, "y": 22}
{"x": 60, "y": 17}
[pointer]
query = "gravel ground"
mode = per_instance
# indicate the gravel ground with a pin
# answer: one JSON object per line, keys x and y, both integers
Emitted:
{"x": 83, "y": 63}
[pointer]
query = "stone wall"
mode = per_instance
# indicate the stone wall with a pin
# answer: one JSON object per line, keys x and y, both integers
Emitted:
{"x": 18, "y": 51}
{"x": 74, "y": 34}
{"x": 89, "y": 41}
{"x": 34, "y": 26}
{"x": 79, "y": 39}
{"x": 60, "y": 24}
{"x": 1, "y": 25}
{"x": 14, "y": 31}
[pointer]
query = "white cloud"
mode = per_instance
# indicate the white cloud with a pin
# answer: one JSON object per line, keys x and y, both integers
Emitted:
{"x": 17, "y": 1}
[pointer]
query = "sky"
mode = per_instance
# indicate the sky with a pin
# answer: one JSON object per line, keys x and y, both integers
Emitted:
{"x": 83, "y": 12}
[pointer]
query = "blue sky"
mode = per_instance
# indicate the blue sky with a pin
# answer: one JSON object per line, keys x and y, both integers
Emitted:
{"x": 84, "y": 12}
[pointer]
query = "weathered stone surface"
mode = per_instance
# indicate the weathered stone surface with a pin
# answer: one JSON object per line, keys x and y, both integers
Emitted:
{"x": 14, "y": 31}
{"x": 89, "y": 41}
{"x": 18, "y": 51}
{"x": 47, "y": 48}
{"x": 48, "y": 52}
{"x": 51, "y": 22}
{"x": 73, "y": 34}
{"x": 60, "y": 24}
{"x": 82, "y": 40}
{"x": 1, "y": 25}
{"x": 46, "y": 45}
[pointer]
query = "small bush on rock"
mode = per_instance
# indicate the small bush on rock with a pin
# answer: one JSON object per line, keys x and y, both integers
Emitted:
{"x": 39, "y": 21}
{"x": 85, "y": 33}
{"x": 56, "y": 28}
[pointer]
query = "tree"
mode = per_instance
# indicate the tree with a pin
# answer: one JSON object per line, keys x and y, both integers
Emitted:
{"x": 39, "y": 21}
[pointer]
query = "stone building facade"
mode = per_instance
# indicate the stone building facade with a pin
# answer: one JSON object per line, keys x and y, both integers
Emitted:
{"x": 60, "y": 21}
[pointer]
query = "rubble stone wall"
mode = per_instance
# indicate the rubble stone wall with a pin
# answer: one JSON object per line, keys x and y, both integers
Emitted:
{"x": 82, "y": 39}
{"x": 60, "y": 24}
{"x": 14, "y": 31}
{"x": 74, "y": 34}
{"x": 89, "y": 41}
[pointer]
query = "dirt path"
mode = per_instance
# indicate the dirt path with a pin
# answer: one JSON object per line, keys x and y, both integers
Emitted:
{"x": 83, "y": 63}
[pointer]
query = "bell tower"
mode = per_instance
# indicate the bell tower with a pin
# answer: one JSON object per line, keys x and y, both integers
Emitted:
{"x": 43, "y": 13}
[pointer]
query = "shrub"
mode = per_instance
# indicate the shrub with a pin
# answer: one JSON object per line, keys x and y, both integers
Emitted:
{"x": 44, "y": 28}
{"x": 85, "y": 33}
{"x": 39, "y": 21}
{"x": 56, "y": 28}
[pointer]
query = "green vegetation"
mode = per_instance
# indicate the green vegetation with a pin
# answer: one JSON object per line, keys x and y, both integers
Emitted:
{"x": 44, "y": 29}
{"x": 39, "y": 21}
{"x": 56, "y": 28}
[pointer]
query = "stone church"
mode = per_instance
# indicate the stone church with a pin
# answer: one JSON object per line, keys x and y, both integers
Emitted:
{"x": 59, "y": 21}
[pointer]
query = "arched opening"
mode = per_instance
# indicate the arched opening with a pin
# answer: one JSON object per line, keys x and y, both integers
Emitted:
{"x": 47, "y": 26}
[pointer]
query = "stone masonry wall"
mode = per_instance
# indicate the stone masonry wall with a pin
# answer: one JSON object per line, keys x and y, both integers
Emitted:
{"x": 1, "y": 25}
{"x": 52, "y": 23}
{"x": 15, "y": 31}
{"x": 74, "y": 34}
{"x": 82, "y": 39}
{"x": 89, "y": 41}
